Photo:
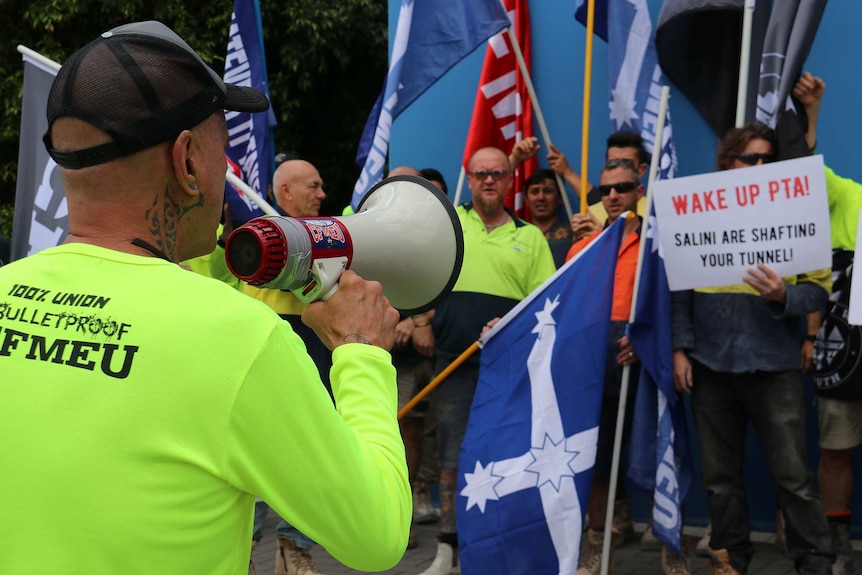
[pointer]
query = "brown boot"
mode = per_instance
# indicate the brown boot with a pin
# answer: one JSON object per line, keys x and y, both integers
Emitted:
{"x": 590, "y": 561}
{"x": 721, "y": 562}
{"x": 702, "y": 547}
{"x": 673, "y": 565}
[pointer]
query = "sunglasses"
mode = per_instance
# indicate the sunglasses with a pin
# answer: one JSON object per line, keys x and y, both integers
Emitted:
{"x": 621, "y": 188}
{"x": 751, "y": 158}
{"x": 481, "y": 175}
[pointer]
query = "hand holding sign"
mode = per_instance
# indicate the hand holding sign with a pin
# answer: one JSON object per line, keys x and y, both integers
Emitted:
{"x": 767, "y": 283}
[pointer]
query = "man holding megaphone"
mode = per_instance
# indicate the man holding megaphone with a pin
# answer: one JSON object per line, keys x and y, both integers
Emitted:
{"x": 143, "y": 407}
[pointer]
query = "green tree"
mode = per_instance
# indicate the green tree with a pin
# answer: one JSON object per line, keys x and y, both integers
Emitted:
{"x": 326, "y": 61}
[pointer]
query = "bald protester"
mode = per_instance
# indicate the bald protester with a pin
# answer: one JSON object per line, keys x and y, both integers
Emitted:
{"x": 144, "y": 407}
{"x": 298, "y": 188}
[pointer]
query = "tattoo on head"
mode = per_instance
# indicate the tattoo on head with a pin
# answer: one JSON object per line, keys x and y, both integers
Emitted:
{"x": 163, "y": 217}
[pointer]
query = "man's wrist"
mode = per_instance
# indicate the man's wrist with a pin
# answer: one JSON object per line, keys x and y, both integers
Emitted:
{"x": 355, "y": 338}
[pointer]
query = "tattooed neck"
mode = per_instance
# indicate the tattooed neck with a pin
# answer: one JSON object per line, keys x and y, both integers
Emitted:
{"x": 163, "y": 217}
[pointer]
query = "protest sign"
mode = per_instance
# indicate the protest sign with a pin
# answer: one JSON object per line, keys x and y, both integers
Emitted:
{"x": 855, "y": 308}
{"x": 715, "y": 227}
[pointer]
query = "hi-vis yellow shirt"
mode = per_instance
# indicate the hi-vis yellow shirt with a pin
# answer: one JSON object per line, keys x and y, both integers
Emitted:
{"x": 143, "y": 407}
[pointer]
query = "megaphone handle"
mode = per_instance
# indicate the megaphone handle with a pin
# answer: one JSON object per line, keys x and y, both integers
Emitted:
{"x": 323, "y": 281}
{"x": 330, "y": 293}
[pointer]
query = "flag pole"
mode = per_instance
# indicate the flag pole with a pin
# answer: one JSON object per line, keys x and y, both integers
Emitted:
{"x": 38, "y": 58}
{"x": 624, "y": 384}
{"x": 744, "y": 58}
{"x": 456, "y": 201}
{"x": 255, "y": 197}
{"x": 540, "y": 119}
{"x": 585, "y": 118}
{"x": 456, "y": 363}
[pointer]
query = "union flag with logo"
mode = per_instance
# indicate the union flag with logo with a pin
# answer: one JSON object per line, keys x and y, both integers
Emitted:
{"x": 503, "y": 114}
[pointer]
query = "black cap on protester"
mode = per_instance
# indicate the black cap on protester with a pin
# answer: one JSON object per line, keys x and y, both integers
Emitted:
{"x": 143, "y": 85}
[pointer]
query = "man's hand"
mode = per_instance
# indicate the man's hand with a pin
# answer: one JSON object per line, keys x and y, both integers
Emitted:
{"x": 807, "y": 360}
{"x": 357, "y": 312}
{"x": 557, "y": 162}
{"x": 767, "y": 283}
{"x": 682, "y": 379}
{"x": 584, "y": 225}
{"x": 627, "y": 355}
{"x": 809, "y": 90}
{"x": 523, "y": 151}
{"x": 403, "y": 333}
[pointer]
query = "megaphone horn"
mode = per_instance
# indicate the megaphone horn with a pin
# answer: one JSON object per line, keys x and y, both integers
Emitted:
{"x": 405, "y": 234}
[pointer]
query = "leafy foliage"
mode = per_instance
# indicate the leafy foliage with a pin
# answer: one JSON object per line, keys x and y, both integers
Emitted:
{"x": 326, "y": 61}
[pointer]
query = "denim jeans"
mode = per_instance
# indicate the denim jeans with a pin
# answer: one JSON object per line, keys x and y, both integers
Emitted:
{"x": 723, "y": 405}
{"x": 284, "y": 529}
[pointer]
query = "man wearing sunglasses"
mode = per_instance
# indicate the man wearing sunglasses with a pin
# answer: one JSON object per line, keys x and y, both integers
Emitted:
{"x": 736, "y": 351}
{"x": 620, "y": 190}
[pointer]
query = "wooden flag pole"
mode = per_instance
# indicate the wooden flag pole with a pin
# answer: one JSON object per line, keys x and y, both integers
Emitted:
{"x": 456, "y": 363}
{"x": 585, "y": 118}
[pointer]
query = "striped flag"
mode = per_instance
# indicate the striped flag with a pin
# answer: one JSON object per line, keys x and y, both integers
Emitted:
{"x": 503, "y": 112}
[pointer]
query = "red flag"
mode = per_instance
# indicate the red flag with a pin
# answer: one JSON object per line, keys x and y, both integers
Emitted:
{"x": 503, "y": 114}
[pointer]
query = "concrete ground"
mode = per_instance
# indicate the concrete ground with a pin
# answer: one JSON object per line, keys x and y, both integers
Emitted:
{"x": 630, "y": 559}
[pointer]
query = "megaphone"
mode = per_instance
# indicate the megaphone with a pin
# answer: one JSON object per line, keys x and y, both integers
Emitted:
{"x": 405, "y": 234}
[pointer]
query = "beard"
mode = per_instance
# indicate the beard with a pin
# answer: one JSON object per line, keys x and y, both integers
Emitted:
{"x": 488, "y": 205}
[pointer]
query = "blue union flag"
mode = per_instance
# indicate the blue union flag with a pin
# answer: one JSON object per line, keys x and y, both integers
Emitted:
{"x": 659, "y": 449}
{"x": 445, "y": 33}
{"x": 526, "y": 461}
{"x": 634, "y": 74}
{"x": 249, "y": 135}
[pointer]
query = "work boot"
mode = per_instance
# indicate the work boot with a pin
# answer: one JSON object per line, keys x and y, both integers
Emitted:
{"x": 649, "y": 541}
{"x": 590, "y": 560}
{"x": 423, "y": 510}
{"x": 843, "y": 565}
{"x": 721, "y": 562}
{"x": 291, "y": 560}
{"x": 702, "y": 547}
{"x": 445, "y": 562}
{"x": 623, "y": 529}
{"x": 673, "y": 565}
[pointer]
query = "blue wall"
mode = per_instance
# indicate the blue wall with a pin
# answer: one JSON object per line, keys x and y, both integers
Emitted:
{"x": 432, "y": 132}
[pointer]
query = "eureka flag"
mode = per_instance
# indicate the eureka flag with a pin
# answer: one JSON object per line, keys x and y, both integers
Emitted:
{"x": 41, "y": 218}
{"x": 445, "y": 32}
{"x": 249, "y": 135}
{"x": 503, "y": 113}
{"x": 659, "y": 460}
{"x": 634, "y": 74}
{"x": 526, "y": 460}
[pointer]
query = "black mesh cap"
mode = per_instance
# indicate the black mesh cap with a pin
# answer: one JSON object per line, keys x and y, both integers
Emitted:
{"x": 143, "y": 85}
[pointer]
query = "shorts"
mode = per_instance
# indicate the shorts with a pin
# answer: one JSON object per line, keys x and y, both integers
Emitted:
{"x": 454, "y": 397}
{"x": 840, "y": 423}
{"x": 412, "y": 379}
